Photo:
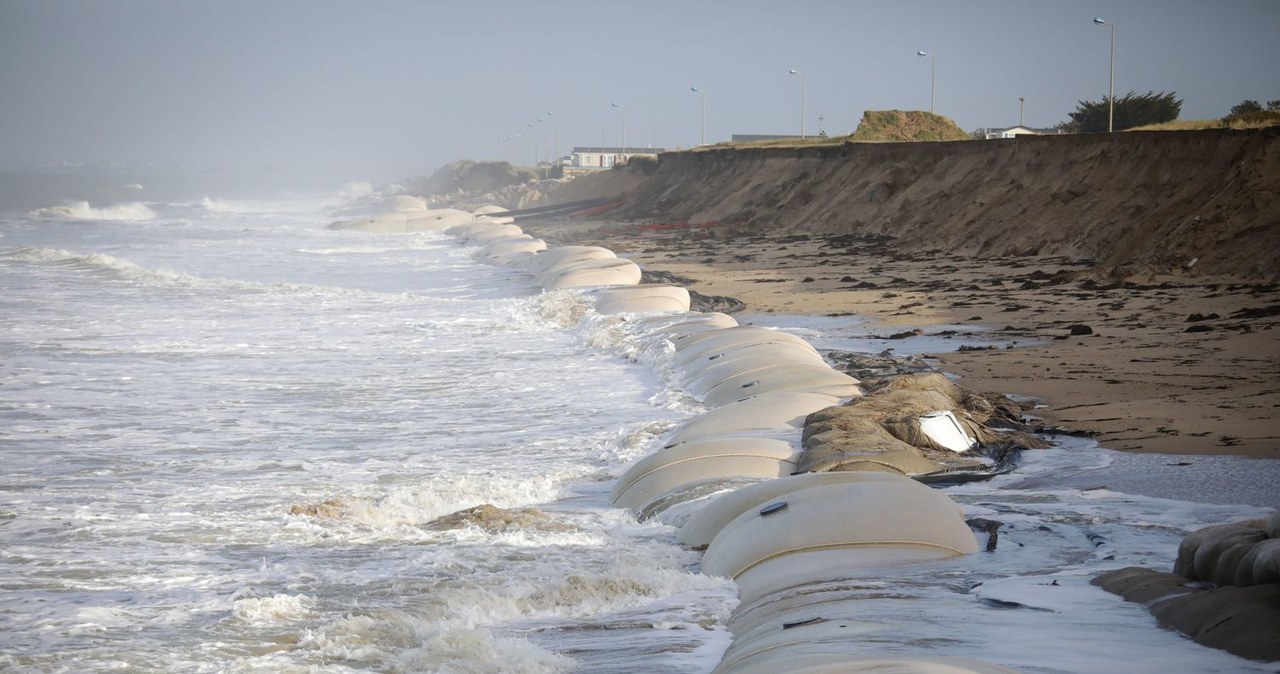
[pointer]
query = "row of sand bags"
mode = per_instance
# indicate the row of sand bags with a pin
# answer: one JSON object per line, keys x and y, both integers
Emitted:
{"x": 725, "y": 477}
{"x": 410, "y": 214}
{"x": 1224, "y": 591}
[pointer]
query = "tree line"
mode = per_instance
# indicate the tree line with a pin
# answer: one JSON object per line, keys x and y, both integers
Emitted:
{"x": 1133, "y": 110}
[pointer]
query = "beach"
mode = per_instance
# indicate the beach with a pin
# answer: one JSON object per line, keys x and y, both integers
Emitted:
{"x": 245, "y": 441}
{"x": 1129, "y": 330}
{"x": 1174, "y": 365}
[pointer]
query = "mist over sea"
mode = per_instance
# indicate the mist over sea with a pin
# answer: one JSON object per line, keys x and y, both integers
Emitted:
{"x": 227, "y": 431}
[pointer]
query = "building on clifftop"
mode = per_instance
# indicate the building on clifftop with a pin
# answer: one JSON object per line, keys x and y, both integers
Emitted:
{"x": 586, "y": 159}
{"x": 1015, "y": 131}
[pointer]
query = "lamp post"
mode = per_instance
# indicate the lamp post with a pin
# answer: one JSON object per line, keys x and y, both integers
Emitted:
{"x": 793, "y": 71}
{"x": 1021, "y": 101}
{"x": 539, "y": 137}
{"x": 933, "y": 71}
{"x": 703, "y": 95}
{"x": 533, "y": 140}
{"x": 553, "y": 116}
{"x": 623, "y": 112}
{"x": 1111, "y": 83}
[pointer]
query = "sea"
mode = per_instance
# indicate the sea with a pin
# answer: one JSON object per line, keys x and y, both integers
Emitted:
{"x": 228, "y": 434}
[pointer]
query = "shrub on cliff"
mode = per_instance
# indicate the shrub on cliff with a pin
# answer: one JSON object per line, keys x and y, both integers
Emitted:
{"x": 1250, "y": 105}
{"x": 1244, "y": 106}
{"x": 643, "y": 165}
{"x": 1251, "y": 113}
{"x": 906, "y": 125}
{"x": 470, "y": 176}
{"x": 1130, "y": 110}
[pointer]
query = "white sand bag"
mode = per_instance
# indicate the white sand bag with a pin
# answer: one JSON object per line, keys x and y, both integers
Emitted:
{"x": 694, "y": 461}
{"x": 799, "y": 660}
{"x": 386, "y": 223}
{"x": 646, "y": 298}
{"x": 403, "y": 202}
{"x": 564, "y": 254}
{"x": 721, "y": 365}
{"x": 493, "y": 232}
{"x": 703, "y": 525}
{"x": 779, "y": 378}
{"x": 825, "y": 531}
{"x": 698, "y": 348}
{"x": 587, "y": 273}
{"x": 771, "y": 415}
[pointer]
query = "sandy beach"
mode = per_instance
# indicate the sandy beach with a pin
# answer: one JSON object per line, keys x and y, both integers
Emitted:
{"x": 1171, "y": 365}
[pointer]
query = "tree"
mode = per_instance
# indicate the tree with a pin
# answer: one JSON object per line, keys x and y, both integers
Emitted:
{"x": 1130, "y": 110}
{"x": 1251, "y": 112}
{"x": 1245, "y": 106}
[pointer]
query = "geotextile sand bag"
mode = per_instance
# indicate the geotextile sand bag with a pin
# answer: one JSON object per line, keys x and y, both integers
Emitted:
{"x": 1242, "y": 554}
{"x": 881, "y": 430}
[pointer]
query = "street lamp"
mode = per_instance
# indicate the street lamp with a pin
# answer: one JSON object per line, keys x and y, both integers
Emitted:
{"x": 553, "y": 116}
{"x": 793, "y": 71}
{"x": 533, "y": 140}
{"x": 1021, "y": 101}
{"x": 623, "y": 112}
{"x": 933, "y": 71}
{"x": 703, "y": 95}
{"x": 1111, "y": 85}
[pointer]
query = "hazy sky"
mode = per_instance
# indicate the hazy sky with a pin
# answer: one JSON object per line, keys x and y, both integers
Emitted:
{"x": 385, "y": 88}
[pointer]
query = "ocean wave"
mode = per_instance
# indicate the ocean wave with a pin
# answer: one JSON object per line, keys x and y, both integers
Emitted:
{"x": 355, "y": 190}
{"x": 216, "y": 206}
{"x": 132, "y": 272}
{"x": 220, "y": 206}
{"x": 89, "y": 262}
{"x": 295, "y": 203}
{"x": 82, "y": 210}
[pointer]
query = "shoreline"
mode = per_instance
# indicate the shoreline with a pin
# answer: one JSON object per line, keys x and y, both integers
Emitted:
{"x": 856, "y": 457}
{"x": 1168, "y": 365}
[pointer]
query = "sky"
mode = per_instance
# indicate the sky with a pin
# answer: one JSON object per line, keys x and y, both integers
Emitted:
{"x": 381, "y": 89}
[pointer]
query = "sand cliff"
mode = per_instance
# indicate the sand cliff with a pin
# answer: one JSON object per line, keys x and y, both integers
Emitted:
{"x": 1200, "y": 202}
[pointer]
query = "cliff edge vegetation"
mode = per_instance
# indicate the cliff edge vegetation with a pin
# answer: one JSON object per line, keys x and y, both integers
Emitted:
{"x": 905, "y": 126}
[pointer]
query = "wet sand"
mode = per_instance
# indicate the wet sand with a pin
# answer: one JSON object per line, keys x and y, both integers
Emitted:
{"x": 1171, "y": 365}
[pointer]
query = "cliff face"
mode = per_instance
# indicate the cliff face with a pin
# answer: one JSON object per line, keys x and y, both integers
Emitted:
{"x": 1134, "y": 202}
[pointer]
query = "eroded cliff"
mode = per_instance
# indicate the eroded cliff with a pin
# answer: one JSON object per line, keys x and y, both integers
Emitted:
{"x": 1202, "y": 202}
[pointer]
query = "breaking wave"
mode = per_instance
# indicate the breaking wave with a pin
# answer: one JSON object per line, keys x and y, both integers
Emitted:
{"x": 219, "y": 206}
{"x": 114, "y": 267}
{"x": 356, "y": 190}
{"x": 81, "y": 210}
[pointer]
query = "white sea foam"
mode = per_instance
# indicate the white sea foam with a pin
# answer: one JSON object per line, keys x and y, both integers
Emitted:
{"x": 415, "y": 505}
{"x": 350, "y": 250}
{"x": 356, "y": 190}
{"x": 220, "y": 206}
{"x": 81, "y": 210}
{"x": 478, "y": 651}
{"x": 273, "y": 609}
{"x": 126, "y": 270}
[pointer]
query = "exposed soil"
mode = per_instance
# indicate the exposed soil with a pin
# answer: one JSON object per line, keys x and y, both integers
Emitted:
{"x": 1171, "y": 365}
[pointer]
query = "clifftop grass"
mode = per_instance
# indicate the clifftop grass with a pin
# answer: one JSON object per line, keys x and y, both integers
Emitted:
{"x": 1260, "y": 119}
{"x": 880, "y": 126}
{"x": 877, "y": 126}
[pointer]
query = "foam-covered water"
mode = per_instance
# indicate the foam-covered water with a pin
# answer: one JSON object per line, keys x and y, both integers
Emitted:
{"x": 226, "y": 431}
